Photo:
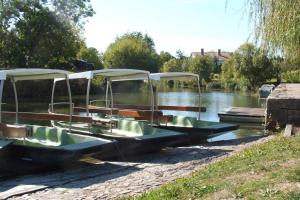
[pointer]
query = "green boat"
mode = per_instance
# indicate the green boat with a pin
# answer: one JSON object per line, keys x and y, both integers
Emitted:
{"x": 196, "y": 129}
{"x": 133, "y": 136}
{"x": 42, "y": 144}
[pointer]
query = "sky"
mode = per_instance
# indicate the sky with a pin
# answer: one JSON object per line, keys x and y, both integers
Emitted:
{"x": 188, "y": 25}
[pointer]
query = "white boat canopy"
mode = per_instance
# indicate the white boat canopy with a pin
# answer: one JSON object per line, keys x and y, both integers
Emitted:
{"x": 182, "y": 76}
{"x": 113, "y": 74}
{"x": 32, "y": 74}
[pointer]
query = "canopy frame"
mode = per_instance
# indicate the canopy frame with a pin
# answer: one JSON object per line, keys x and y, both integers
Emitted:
{"x": 15, "y": 75}
{"x": 178, "y": 76}
{"x": 113, "y": 75}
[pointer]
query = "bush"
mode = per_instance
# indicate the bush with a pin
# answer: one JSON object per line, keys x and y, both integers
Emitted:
{"x": 292, "y": 76}
{"x": 248, "y": 68}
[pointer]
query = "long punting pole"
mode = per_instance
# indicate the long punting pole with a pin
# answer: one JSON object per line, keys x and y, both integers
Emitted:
{"x": 152, "y": 98}
{"x": 199, "y": 96}
{"x": 1, "y": 93}
{"x": 88, "y": 97}
{"x": 16, "y": 99}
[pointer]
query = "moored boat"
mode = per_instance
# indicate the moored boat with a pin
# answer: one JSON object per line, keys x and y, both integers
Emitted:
{"x": 197, "y": 130}
{"x": 43, "y": 144}
{"x": 133, "y": 136}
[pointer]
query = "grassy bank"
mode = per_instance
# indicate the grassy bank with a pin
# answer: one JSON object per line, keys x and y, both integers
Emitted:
{"x": 265, "y": 171}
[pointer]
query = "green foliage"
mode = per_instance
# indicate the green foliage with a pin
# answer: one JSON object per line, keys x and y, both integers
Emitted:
{"x": 201, "y": 65}
{"x": 277, "y": 24}
{"x": 43, "y": 33}
{"x": 164, "y": 57}
{"x": 173, "y": 65}
{"x": 91, "y": 55}
{"x": 248, "y": 68}
{"x": 132, "y": 50}
{"x": 180, "y": 55}
{"x": 292, "y": 76}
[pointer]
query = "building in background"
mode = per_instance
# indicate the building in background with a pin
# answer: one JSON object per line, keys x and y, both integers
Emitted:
{"x": 218, "y": 56}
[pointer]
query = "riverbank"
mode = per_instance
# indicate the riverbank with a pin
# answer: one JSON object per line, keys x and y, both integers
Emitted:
{"x": 264, "y": 171}
{"x": 133, "y": 176}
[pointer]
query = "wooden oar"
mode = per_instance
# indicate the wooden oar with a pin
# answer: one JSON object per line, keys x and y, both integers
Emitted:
{"x": 161, "y": 107}
{"x": 95, "y": 109}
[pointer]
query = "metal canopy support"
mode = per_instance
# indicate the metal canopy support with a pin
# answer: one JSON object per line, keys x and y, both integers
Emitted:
{"x": 111, "y": 95}
{"x": 155, "y": 94}
{"x": 151, "y": 99}
{"x": 106, "y": 95}
{"x": 1, "y": 93}
{"x": 70, "y": 100}
{"x": 88, "y": 96}
{"x": 199, "y": 96}
{"x": 52, "y": 97}
{"x": 16, "y": 99}
{"x": 112, "y": 103}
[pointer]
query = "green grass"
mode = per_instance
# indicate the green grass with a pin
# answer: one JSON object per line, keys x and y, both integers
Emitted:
{"x": 265, "y": 171}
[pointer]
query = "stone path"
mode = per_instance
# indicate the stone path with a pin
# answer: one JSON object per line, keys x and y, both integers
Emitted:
{"x": 108, "y": 180}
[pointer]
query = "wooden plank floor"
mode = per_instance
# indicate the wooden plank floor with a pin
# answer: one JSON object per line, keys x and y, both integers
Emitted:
{"x": 243, "y": 114}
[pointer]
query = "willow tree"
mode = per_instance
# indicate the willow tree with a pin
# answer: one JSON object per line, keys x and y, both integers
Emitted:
{"x": 277, "y": 24}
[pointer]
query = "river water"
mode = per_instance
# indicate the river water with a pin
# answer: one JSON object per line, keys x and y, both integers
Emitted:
{"x": 214, "y": 101}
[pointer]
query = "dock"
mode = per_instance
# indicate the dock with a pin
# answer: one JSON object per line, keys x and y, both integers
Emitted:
{"x": 242, "y": 115}
{"x": 283, "y": 106}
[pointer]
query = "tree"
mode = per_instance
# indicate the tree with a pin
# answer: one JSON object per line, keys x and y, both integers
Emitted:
{"x": 277, "y": 24}
{"x": 164, "y": 57}
{"x": 91, "y": 55}
{"x": 180, "y": 55}
{"x": 45, "y": 41}
{"x": 173, "y": 65}
{"x": 41, "y": 33}
{"x": 248, "y": 68}
{"x": 201, "y": 65}
{"x": 132, "y": 50}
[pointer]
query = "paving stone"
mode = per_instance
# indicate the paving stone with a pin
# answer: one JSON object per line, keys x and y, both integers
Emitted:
{"x": 110, "y": 180}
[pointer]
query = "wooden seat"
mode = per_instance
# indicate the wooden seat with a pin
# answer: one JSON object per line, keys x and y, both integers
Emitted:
{"x": 98, "y": 121}
{"x": 14, "y": 131}
{"x": 166, "y": 118}
{"x": 140, "y": 114}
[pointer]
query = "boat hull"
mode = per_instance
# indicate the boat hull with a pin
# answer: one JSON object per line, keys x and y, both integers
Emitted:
{"x": 198, "y": 135}
{"x": 134, "y": 137}
{"x": 48, "y": 156}
{"x": 136, "y": 145}
{"x": 51, "y": 146}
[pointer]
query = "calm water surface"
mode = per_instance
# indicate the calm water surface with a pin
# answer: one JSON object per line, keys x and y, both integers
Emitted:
{"x": 214, "y": 101}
